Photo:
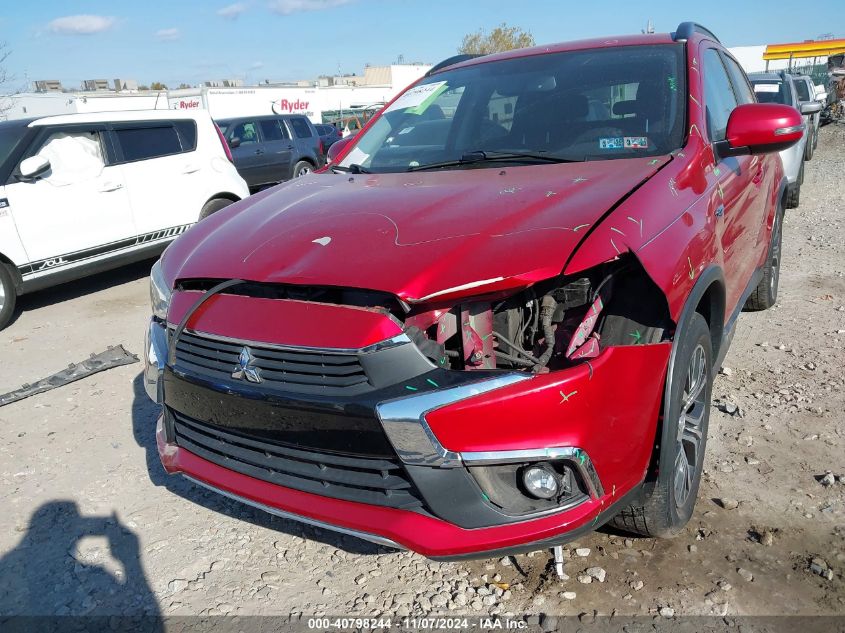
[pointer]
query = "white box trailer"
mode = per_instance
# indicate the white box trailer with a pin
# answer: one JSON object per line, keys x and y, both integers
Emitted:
{"x": 224, "y": 103}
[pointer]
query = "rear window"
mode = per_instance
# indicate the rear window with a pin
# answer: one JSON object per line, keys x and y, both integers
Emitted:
{"x": 301, "y": 128}
{"x": 771, "y": 91}
{"x": 142, "y": 143}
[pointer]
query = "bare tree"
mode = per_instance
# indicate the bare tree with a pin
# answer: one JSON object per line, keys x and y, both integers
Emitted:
{"x": 5, "y": 78}
{"x": 502, "y": 38}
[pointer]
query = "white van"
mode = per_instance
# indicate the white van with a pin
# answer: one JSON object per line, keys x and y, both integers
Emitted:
{"x": 82, "y": 193}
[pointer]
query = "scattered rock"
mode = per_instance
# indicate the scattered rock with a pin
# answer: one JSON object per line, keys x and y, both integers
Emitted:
{"x": 820, "y": 567}
{"x": 596, "y": 572}
{"x": 584, "y": 579}
{"x": 506, "y": 561}
{"x": 667, "y": 612}
{"x": 726, "y": 371}
{"x": 828, "y": 479}
{"x": 727, "y": 503}
{"x": 637, "y": 585}
{"x": 568, "y": 595}
{"x": 177, "y": 584}
{"x": 583, "y": 552}
{"x": 746, "y": 575}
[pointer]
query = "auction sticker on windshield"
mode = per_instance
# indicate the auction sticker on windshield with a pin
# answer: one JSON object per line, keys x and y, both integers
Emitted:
{"x": 419, "y": 97}
{"x": 766, "y": 88}
{"x": 616, "y": 142}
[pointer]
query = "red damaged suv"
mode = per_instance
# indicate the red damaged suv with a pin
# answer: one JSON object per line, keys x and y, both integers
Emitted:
{"x": 492, "y": 323}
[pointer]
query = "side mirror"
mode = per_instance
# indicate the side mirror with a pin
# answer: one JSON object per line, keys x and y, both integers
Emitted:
{"x": 234, "y": 142}
{"x": 336, "y": 149}
{"x": 34, "y": 166}
{"x": 761, "y": 128}
{"x": 811, "y": 107}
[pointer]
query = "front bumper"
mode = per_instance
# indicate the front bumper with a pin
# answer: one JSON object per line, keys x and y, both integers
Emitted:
{"x": 604, "y": 411}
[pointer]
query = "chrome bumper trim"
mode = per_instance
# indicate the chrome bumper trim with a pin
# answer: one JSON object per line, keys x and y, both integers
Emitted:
{"x": 372, "y": 538}
{"x": 403, "y": 420}
{"x": 155, "y": 356}
{"x": 576, "y": 456}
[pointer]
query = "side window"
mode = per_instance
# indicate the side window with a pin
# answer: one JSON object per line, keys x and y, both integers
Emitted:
{"x": 246, "y": 131}
{"x": 188, "y": 132}
{"x": 742, "y": 88}
{"x": 272, "y": 130}
{"x": 719, "y": 99}
{"x": 142, "y": 143}
{"x": 300, "y": 127}
{"x": 74, "y": 155}
{"x": 802, "y": 89}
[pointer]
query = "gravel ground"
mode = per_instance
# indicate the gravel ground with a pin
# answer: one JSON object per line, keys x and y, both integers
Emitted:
{"x": 92, "y": 525}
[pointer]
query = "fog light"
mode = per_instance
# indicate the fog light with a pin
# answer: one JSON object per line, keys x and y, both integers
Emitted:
{"x": 541, "y": 481}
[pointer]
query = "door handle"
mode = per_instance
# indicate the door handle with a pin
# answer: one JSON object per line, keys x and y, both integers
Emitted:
{"x": 111, "y": 186}
{"x": 190, "y": 169}
{"x": 259, "y": 151}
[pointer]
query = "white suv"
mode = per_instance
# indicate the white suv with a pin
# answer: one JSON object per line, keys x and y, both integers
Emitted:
{"x": 82, "y": 193}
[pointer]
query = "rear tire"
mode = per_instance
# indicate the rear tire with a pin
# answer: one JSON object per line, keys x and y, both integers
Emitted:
{"x": 765, "y": 295}
{"x": 302, "y": 168}
{"x": 793, "y": 196}
{"x": 213, "y": 206}
{"x": 8, "y": 296}
{"x": 666, "y": 503}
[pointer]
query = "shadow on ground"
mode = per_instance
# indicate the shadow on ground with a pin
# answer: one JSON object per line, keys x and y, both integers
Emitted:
{"x": 144, "y": 416}
{"x": 70, "y": 565}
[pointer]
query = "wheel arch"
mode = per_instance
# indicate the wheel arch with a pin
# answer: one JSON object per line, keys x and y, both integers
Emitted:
{"x": 222, "y": 195}
{"x": 706, "y": 298}
{"x": 17, "y": 279}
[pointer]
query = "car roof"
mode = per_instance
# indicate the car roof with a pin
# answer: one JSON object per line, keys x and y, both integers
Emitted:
{"x": 576, "y": 45}
{"x": 116, "y": 117}
{"x": 767, "y": 76}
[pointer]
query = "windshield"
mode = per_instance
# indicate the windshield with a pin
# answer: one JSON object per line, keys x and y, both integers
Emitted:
{"x": 771, "y": 91}
{"x": 595, "y": 104}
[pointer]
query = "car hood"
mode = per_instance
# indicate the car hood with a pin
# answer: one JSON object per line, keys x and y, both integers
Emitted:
{"x": 416, "y": 235}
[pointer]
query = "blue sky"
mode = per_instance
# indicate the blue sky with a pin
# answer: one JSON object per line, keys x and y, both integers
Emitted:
{"x": 192, "y": 40}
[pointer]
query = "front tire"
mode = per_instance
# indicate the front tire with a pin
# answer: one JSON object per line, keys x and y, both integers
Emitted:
{"x": 8, "y": 296}
{"x": 667, "y": 502}
{"x": 811, "y": 145}
{"x": 765, "y": 295}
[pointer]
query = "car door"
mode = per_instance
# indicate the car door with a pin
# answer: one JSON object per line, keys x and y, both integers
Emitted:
{"x": 249, "y": 153}
{"x": 77, "y": 209}
{"x": 162, "y": 174}
{"x": 278, "y": 150}
{"x": 732, "y": 200}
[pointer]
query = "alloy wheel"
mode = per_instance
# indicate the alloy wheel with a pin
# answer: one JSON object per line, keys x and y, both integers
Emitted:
{"x": 693, "y": 407}
{"x": 303, "y": 172}
{"x": 2, "y": 296}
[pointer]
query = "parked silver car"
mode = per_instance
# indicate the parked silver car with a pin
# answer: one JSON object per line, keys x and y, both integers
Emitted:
{"x": 779, "y": 87}
{"x": 806, "y": 90}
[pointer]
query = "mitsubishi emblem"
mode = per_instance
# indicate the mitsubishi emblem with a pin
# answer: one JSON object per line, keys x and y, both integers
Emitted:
{"x": 245, "y": 368}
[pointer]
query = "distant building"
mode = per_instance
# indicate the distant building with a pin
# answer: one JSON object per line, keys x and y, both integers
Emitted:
{"x": 93, "y": 85}
{"x": 224, "y": 83}
{"x": 125, "y": 85}
{"x": 48, "y": 85}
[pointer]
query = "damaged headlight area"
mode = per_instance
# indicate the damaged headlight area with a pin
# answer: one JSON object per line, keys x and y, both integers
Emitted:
{"x": 548, "y": 326}
{"x": 160, "y": 292}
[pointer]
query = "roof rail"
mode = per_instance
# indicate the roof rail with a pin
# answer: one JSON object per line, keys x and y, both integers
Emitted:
{"x": 451, "y": 61}
{"x": 686, "y": 29}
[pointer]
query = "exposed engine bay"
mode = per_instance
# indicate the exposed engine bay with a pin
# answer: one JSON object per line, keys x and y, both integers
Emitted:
{"x": 548, "y": 326}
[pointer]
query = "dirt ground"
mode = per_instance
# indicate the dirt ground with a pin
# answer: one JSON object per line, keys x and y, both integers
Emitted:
{"x": 92, "y": 525}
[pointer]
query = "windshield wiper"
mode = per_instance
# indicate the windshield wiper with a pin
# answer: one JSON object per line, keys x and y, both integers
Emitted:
{"x": 483, "y": 156}
{"x": 354, "y": 168}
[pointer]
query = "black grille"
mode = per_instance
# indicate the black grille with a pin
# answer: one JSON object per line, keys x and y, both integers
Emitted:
{"x": 292, "y": 370}
{"x": 366, "y": 480}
